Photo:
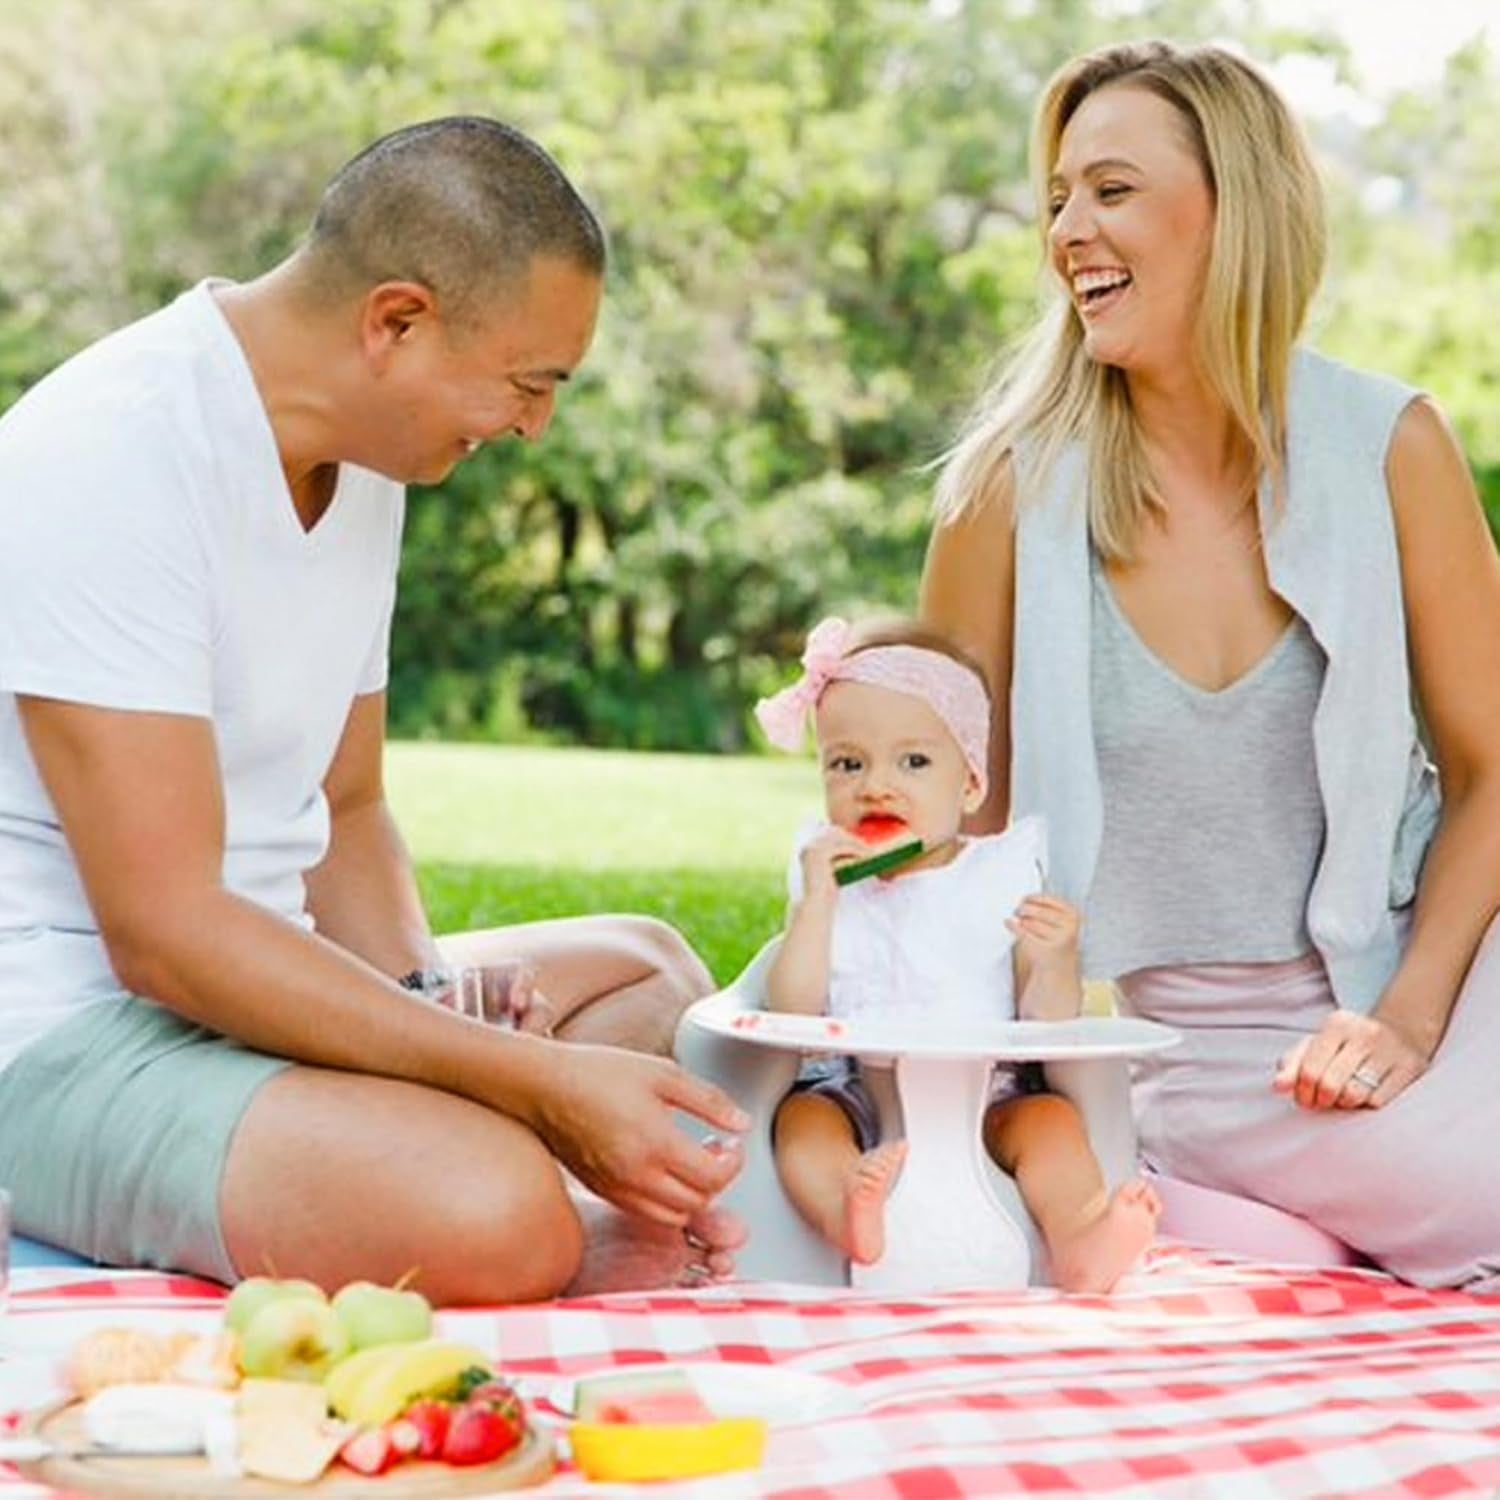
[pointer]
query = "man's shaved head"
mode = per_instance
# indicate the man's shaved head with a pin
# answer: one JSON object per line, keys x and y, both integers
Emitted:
{"x": 461, "y": 205}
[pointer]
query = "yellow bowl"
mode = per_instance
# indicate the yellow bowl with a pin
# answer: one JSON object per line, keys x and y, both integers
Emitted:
{"x": 627, "y": 1452}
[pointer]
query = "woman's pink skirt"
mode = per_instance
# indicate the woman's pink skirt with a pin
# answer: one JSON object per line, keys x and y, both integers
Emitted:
{"x": 1415, "y": 1186}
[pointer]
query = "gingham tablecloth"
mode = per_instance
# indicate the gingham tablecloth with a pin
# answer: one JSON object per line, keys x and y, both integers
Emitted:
{"x": 1201, "y": 1376}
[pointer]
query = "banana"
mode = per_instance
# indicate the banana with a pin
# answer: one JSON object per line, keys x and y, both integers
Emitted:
{"x": 340, "y": 1383}
{"x": 385, "y": 1380}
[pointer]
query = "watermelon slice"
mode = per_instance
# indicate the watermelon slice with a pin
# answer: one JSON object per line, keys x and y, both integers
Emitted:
{"x": 640, "y": 1398}
{"x": 879, "y": 828}
{"x": 658, "y": 1409}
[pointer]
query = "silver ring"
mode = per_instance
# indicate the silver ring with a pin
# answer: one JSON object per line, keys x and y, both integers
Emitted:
{"x": 695, "y": 1273}
{"x": 696, "y": 1242}
{"x": 1366, "y": 1079}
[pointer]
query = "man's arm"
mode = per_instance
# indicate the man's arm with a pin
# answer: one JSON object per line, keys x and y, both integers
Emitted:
{"x": 140, "y": 800}
{"x": 363, "y": 896}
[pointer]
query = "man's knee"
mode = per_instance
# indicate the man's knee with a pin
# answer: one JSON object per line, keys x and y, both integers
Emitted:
{"x": 659, "y": 977}
{"x": 408, "y": 1177}
{"x": 685, "y": 974}
{"x": 511, "y": 1237}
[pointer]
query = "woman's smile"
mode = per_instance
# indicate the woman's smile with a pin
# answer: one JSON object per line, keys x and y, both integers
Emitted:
{"x": 1097, "y": 291}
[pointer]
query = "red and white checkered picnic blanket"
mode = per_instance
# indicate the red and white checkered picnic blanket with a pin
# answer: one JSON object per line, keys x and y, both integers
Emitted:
{"x": 1201, "y": 1376}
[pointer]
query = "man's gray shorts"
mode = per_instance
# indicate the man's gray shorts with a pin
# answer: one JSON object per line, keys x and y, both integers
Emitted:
{"x": 114, "y": 1131}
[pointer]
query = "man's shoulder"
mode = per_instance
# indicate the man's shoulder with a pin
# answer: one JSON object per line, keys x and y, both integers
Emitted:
{"x": 112, "y": 400}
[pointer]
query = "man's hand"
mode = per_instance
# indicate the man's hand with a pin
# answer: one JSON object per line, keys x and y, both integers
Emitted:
{"x": 1351, "y": 1062}
{"x": 606, "y": 1115}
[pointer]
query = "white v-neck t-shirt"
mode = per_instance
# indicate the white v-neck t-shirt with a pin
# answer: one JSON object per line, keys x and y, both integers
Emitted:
{"x": 151, "y": 560}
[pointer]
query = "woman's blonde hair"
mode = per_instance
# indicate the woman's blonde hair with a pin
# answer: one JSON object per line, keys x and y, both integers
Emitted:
{"x": 1264, "y": 266}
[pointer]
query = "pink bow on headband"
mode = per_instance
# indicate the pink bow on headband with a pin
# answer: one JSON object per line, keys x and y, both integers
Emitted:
{"x": 953, "y": 691}
{"x": 784, "y": 715}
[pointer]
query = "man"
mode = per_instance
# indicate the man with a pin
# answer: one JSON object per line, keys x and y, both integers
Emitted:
{"x": 209, "y": 927}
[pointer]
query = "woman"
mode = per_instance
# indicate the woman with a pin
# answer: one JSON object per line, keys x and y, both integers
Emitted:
{"x": 1217, "y": 573}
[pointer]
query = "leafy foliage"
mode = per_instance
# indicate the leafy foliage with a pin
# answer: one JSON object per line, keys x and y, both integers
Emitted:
{"x": 821, "y": 235}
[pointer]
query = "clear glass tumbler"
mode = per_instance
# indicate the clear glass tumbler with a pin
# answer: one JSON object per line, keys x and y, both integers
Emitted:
{"x": 497, "y": 993}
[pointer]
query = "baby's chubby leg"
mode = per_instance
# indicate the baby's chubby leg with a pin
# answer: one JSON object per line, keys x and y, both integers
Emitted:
{"x": 840, "y": 1190}
{"x": 1093, "y": 1236}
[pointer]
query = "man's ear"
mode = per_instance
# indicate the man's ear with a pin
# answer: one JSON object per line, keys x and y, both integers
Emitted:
{"x": 392, "y": 315}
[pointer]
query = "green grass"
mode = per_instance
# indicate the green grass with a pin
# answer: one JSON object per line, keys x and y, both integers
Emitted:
{"x": 510, "y": 834}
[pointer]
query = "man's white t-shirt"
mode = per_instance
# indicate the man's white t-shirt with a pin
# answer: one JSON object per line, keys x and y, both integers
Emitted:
{"x": 151, "y": 560}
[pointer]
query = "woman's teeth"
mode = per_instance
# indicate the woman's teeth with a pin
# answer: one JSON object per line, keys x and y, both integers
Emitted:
{"x": 1092, "y": 287}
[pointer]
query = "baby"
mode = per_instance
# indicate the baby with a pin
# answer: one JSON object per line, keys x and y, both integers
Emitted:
{"x": 902, "y": 721}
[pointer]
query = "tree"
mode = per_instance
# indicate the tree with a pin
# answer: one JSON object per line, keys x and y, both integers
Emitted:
{"x": 822, "y": 233}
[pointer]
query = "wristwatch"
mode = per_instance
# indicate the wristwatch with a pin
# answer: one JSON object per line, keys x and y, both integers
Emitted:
{"x": 430, "y": 984}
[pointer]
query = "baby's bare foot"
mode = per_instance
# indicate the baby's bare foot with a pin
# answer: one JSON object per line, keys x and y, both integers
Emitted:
{"x": 868, "y": 1186}
{"x": 1108, "y": 1242}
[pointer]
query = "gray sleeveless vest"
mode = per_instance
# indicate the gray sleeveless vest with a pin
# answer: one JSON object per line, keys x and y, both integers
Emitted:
{"x": 1332, "y": 556}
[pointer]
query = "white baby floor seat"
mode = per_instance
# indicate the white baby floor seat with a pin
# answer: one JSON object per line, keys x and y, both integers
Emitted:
{"x": 953, "y": 1219}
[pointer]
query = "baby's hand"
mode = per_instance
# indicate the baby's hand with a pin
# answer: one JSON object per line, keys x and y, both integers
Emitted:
{"x": 1046, "y": 929}
{"x": 832, "y": 848}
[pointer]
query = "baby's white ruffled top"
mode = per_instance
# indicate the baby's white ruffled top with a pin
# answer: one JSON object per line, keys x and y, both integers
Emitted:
{"x": 932, "y": 943}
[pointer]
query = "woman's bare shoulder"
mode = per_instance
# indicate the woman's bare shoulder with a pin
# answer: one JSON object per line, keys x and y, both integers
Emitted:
{"x": 968, "y": 580}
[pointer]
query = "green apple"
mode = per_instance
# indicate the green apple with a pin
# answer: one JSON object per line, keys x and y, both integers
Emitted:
{"x": 257, "y": 1292}
{"x": 382, "y": 1314}
{"x": 294, "y": 1338}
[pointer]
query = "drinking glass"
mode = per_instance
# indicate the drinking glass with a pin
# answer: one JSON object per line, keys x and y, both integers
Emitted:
{"x": 497, "y": 993}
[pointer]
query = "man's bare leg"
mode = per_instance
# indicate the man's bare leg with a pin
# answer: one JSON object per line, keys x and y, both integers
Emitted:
{"x": 397, "y": 1148}
{"x": 614, "y": 980}
{"x": 626, "y": 1254}
{"x": 339, "y": 1176}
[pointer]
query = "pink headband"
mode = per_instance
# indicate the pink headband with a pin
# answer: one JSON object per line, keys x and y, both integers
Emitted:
{"x": 950, "y": 689}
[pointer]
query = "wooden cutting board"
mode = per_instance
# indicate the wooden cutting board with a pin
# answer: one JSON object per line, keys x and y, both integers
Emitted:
{"x": 190, "y": 1479}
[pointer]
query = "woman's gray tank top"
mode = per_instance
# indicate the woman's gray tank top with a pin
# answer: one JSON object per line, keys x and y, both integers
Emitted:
{"x": 1213, "y": 821}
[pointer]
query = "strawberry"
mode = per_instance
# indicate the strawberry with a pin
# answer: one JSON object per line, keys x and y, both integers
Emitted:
{"x": 496, "y": 1393}
{"x": 370, "y": 1451}
{"x": 405, "y": 1436}
{"x": 480, "y": 1435}
{"x": 431, "y": 1420}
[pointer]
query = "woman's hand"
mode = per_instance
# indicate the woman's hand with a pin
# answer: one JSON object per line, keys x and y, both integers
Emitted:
{"x": 1352, "y": 1062}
